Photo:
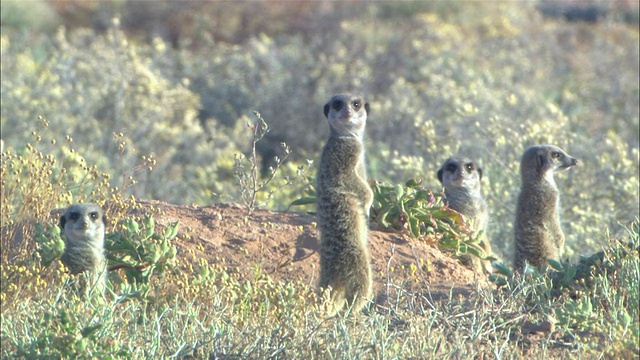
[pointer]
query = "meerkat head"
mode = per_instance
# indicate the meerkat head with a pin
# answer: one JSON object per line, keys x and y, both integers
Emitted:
{"x": 347, "y": 115}
{"x": 541, "y": 161}
{"x": 84, "y": 222}
{"x": 460, "y": 172}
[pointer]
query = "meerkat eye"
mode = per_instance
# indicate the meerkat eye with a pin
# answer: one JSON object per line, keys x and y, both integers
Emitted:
{"x": 452, "y": 167}
{"x": 469, "y": 166}
{"x": 555, "y": 154}
{"x": 93, "y": 215}
{"x": 74, "y": 216}
{"x": 337, "y": 104}
{"x": 356, "y": 104}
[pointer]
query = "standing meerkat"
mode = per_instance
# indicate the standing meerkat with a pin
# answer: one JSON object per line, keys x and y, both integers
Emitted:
{"x": 83, "y": 226}
{"x": 538, "y": 234}
{"x": 343, "y": 199}
{"x": 461, "y": 177}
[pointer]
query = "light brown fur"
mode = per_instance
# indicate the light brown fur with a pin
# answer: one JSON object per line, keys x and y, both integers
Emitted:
{"x": 461, "y": 177}
{"x": 538, "y": 235}
{"x": 344, "y": 198}
{"x": 84, "y": 226}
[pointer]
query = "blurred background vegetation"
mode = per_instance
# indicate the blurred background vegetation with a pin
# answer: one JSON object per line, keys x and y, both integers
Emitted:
{"x": 122, "y": 82}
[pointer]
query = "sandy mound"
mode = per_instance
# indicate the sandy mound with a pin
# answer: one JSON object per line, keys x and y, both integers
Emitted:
{"x": 285, "y": 245}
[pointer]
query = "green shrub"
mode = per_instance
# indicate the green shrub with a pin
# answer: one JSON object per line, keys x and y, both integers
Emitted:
{"x": 440, "y": 78}
{"x": 465, "y": 81}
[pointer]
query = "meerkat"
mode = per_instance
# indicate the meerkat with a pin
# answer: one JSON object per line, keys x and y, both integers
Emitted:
{"x": 343, "y": 201}
{"x": 461, "y": 177}
{"x": 84, "y": 226}
{"x": 538, "y": 235}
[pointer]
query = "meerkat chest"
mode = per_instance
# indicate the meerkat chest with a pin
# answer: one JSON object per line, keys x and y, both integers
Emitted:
{"x": 461, "y": 199}
{"x": 540, "y": 200}
{"x": 87, "y": 244}
{"x": 341, "y": 158}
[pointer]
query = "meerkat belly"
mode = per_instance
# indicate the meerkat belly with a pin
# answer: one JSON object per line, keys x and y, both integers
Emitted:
{"x": 344, "y": 231}
{"x": 538, "y": 232}
{"x": 342, "y": 213}
{"x": 539, "y": 213}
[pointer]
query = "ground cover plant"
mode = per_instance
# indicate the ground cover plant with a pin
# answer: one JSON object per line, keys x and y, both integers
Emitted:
{"x": 116, "y": 113}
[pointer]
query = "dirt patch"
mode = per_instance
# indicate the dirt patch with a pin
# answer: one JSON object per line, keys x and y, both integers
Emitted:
{"x": 285, "y": 245}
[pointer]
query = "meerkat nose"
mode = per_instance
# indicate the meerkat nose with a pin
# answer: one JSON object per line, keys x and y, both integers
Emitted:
{"x": 574, "y": 161}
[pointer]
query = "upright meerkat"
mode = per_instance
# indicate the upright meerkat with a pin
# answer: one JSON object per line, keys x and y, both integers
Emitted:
{"x": 461, "y": 177}
{"x": 538, "y": 234}
{"x": 84, "y": 226}
{"x": 343, "y": 199}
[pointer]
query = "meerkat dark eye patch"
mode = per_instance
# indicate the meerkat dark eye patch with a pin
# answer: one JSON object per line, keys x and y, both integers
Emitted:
{"x": 555, "y": 154}
{"x": 356, "y": 104}
{"x": 93, "y": 215}
{"x": 469, "y": 166}
{"x": 74, "y": 216}
{"x": 452, "y": 168}
{"x": 337, "y": 104}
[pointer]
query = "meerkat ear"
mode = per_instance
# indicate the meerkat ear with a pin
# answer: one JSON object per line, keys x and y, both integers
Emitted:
{"x": 326, "y": 110}
{"x": 367, "y": 108}
{"x": 104, "y": 220}
{"x": 480, "y": 173}
{"x": 63, "y": 220}
{"x": 440, "y": 175}
{"x": 541, "y": 161}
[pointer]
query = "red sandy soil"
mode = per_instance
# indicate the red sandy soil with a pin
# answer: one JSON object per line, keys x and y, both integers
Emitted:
{"x": 285, "y": 245}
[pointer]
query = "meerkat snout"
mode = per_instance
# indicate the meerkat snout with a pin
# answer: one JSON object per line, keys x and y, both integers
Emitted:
{"x": 549, "y": 158}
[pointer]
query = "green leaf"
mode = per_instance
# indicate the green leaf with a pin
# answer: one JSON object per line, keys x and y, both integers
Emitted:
{"x": 414, "y": 226}
{"x": 170, "y": 231}
{"x": 475, "y": 251}
{"x": 132, "y": 225}
{"x": 570, "y": 273}
{"x": 555, "y": 265}
{"x": 59, "y": 246}
{"x": 498, "y": 280}
{"x": 399, "y": 192}
{"x": 149, "y": 227}
{"x": 422, "y": 195}
{"x": 411, "y": 183}
{"x": 383, "y": 217}
{"x": 625, "y": 318}
{"x": 90, "y": 330}
{"x": 502, "y": 269}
